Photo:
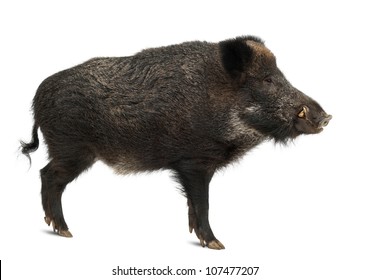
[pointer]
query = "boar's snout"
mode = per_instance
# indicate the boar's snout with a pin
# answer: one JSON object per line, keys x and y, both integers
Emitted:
{"x": 325, "y": 121}
{"x": 311, "y": 119}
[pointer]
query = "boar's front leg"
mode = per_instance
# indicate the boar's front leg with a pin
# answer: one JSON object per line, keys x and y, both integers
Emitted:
{"x": 195, "y": 179}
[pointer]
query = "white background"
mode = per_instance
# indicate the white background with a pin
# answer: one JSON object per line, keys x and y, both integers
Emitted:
{"x": 297, "y": 212}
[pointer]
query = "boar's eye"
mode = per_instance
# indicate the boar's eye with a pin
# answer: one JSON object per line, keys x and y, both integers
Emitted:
{"x": 268, "y": 79}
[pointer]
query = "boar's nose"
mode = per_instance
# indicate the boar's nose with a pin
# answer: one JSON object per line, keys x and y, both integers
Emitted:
{"x": 324, "y": 122}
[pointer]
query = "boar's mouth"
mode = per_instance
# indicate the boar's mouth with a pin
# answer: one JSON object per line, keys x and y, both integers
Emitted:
{"x": 311, "y": 121}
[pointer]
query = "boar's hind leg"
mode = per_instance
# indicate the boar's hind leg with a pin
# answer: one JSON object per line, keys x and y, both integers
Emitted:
{"x": 195, "y": 183}
{"x": 54, "y": 177}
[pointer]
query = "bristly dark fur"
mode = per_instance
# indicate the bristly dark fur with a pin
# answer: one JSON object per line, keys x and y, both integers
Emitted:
{"x": 192, "y": 108}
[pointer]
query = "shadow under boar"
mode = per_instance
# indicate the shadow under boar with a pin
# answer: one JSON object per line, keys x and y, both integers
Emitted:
{"x": 191, "y": 108}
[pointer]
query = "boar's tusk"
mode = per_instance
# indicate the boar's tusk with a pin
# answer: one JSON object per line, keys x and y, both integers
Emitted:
{"x": 302, "y": 113}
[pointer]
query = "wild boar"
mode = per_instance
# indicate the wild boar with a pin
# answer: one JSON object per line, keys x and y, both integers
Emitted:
{"x": 191, "y": 108}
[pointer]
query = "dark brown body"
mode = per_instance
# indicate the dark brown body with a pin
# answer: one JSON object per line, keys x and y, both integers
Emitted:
{"x": 191, "y": 108}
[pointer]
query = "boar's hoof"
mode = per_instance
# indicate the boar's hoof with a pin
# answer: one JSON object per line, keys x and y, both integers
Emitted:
{"x": 47, "y": 220}
{"x": 61, "y": 232}
{"x": 65, "y": 233}
{"x": 215, "y": 244}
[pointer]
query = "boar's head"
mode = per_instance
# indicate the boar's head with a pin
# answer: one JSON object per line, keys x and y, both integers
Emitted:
{"x": 268, "y": 102}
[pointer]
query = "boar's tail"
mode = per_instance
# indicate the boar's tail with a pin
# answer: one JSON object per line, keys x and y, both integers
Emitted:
{"x": 28, "y": 148}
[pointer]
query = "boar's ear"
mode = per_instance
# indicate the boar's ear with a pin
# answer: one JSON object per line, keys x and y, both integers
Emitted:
{"x": 235, "y": 55}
